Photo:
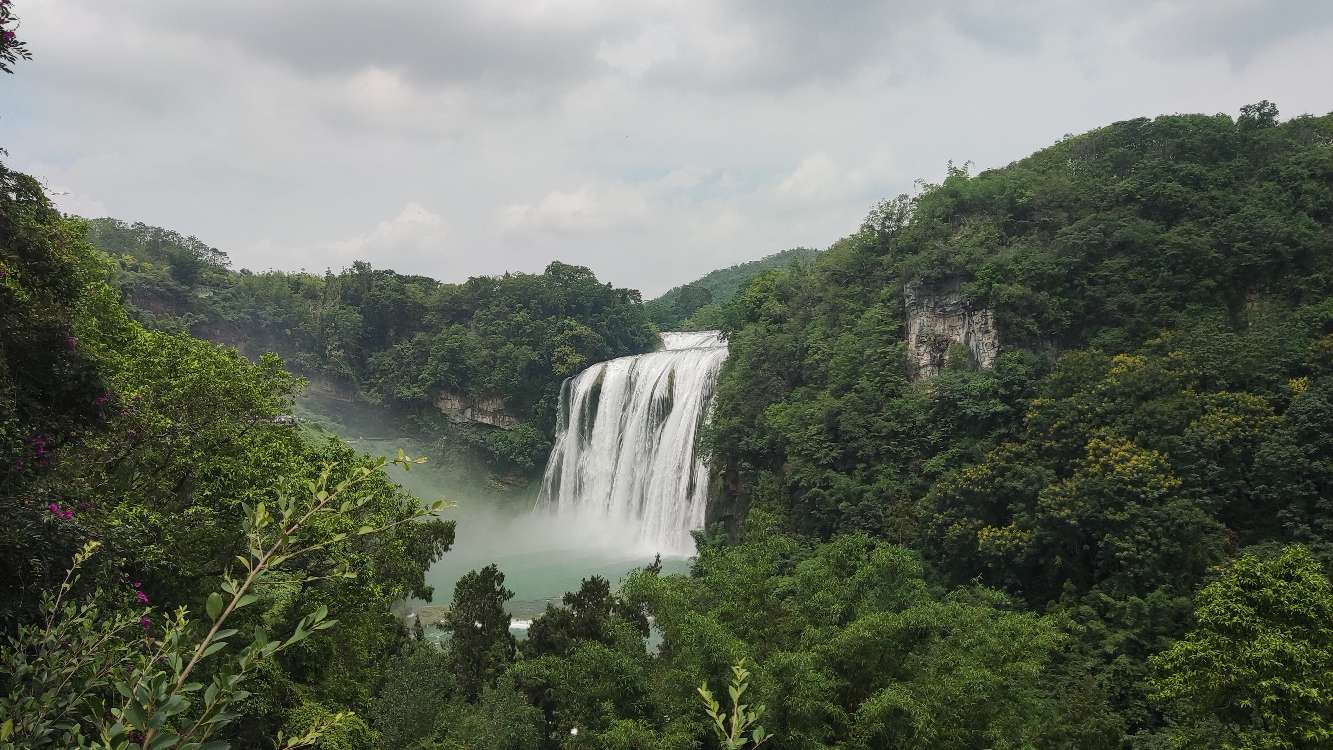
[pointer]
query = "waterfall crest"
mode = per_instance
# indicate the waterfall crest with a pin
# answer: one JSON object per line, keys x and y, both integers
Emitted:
{"x": 625, "y": 443}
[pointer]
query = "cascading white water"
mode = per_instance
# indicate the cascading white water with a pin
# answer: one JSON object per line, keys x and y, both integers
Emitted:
{"x": 625, "y": 443}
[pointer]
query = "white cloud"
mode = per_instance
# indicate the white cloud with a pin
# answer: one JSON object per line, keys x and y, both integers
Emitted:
{"x": 584, "y": 209}
{"x": 406, "y": 242}
{"x": 821, "y": 179}
{"x": 415, "y": 230}
{"x": 71, "y": 202}
{"x": 814, "y": 176}
{"x": 637, "y": 55}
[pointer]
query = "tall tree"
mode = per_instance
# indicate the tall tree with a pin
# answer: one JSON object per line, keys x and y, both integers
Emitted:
{"x": 479, "y": 638}
{"x": 1256, "y": 671}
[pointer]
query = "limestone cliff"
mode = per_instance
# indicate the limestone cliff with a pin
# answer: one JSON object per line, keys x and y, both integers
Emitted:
{"x": 481, "y": 410}
{"x": 938, "y": 317}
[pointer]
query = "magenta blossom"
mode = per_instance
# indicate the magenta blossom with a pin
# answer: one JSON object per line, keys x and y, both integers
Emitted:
{"x": 9, "y": 36}
{"x": 145, "y": 623}
{"x": 64, "y": 513}
{"x": 141, "y": 596}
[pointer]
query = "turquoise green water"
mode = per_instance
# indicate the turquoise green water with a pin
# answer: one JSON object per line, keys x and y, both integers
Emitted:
{"x": 542, "y": 557}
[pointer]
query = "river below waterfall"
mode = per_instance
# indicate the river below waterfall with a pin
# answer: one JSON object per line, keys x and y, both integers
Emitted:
{"x": 624, "y": 482}
{"x": 541, "y": 555}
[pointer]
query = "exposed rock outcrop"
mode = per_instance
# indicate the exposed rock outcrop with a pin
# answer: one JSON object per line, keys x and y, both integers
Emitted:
{"x": 939, "y": 317}
{"x": 488, "y": 410}
{"x": 330, "y": 389}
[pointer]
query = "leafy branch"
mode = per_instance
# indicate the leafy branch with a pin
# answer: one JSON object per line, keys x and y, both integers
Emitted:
{"x": 81, "y": 653}
{"x": 731, "y": 727}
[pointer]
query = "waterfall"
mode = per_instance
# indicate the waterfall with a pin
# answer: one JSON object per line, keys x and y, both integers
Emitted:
{"x": 625, "y": 443}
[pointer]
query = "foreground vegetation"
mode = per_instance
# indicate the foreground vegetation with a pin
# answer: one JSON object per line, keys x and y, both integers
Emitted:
{"x": 161, "y": 452}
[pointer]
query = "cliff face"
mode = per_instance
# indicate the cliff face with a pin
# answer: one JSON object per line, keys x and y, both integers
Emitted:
{"x": 937, "y": 318}
{"x": 488, "y": 411}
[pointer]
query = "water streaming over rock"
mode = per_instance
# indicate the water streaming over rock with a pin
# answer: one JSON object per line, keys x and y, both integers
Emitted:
{"x": 625, "y": 444}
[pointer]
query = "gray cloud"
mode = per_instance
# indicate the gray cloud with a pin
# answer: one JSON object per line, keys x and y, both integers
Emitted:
{"x": 428, "y": 41}
{"x": 1239, "y": 30}
{"x": 653, "y": 140}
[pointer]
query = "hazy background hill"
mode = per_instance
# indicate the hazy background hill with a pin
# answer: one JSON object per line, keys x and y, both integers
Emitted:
{"x": 698, "y": 304}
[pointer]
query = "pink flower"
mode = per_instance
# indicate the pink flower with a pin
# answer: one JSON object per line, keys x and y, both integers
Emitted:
{"x": 54, "y": 508}
{"x": 145, "y": 623}
{"x": 141, "y": 596}
{"x": 9, "y": 36}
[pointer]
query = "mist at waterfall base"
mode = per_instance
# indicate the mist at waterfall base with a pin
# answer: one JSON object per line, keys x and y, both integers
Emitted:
{"x": 643, "y": 487}
{"x": 542, "y": 555}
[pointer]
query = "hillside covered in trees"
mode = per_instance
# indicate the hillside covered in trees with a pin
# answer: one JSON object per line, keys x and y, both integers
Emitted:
{"x": 697, "y": 306}
{"x": 375, "y": 337}
{"x": 1147, "y": 463}
{"x": 142, "y": 472}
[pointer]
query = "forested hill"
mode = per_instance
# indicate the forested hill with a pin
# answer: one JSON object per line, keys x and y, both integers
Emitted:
{"x": 492, "y": 350}
{"x": 1096, "y": 379}
{"x": 698, "y": 304}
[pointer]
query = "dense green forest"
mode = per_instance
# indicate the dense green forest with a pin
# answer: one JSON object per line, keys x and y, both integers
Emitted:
{"x": 1154, "y": 432}
{"x": 372, "y": 336}
{"x": 697, "y": 306}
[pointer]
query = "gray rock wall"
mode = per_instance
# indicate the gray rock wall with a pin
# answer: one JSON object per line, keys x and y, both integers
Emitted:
{"x": 487, "y": 411}
{"x": 937, "y": 318}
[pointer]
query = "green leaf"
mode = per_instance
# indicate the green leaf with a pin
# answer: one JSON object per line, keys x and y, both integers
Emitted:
{"x": 214, "y": 605}
{"x": 174, "y": 705}
{"x": 134, "y": 713}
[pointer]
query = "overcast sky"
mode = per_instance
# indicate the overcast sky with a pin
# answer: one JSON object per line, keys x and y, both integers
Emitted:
{"x": 652, "y": 140}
